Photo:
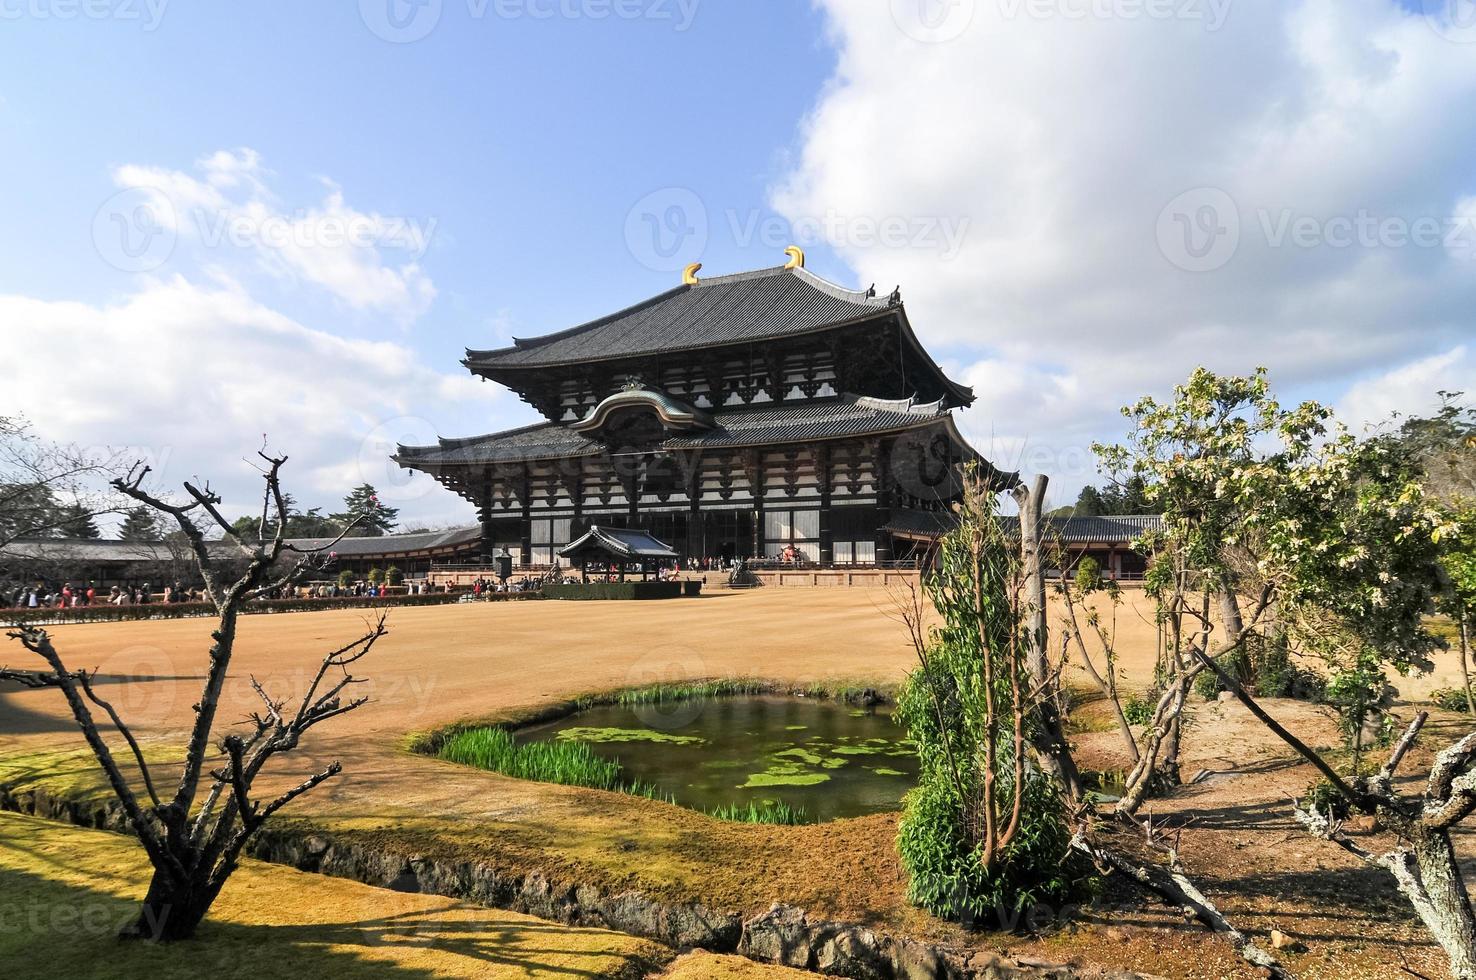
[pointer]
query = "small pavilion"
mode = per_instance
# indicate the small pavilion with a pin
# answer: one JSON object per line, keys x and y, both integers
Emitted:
{"x": 618, "y": 550}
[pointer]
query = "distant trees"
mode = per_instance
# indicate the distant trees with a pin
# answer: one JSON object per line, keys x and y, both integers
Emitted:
{"x": 140, "y": 524}
{"x": 49, "y": 490}
{"x": 362, "y": 516}
{"x": 374, "y": 518}
{"x": 1114, "y": 500}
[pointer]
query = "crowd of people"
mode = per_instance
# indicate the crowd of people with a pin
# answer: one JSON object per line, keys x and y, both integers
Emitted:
{"x": 69, "y": 596}
{"x": 485, "y": 586}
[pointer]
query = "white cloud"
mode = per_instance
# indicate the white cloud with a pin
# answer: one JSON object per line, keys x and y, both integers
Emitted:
{"x": 366, "y": 260}
{"x": 204, "y": 372}
{"x": 1411, "y": 389}
{"x": 1061, "y": 141}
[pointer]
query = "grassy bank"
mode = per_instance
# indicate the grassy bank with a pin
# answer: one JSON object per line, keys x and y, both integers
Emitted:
{"x": 64, "y": 891}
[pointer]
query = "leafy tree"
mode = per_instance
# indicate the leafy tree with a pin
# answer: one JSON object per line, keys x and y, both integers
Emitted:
{"x": 374, "y": 518}
{"x": 375, "y": 576}
{"x": 140, "y": 524}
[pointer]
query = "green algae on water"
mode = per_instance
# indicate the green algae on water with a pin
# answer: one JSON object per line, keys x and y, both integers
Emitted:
{"x": 607, "y": 736}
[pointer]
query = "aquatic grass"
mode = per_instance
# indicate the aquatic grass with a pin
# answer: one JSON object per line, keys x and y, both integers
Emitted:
{"x": 564, "y": 763}
{"x": 683, "y": 691}
{"x": 767, "y": 812}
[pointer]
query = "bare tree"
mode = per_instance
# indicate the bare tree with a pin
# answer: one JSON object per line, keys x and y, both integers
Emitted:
{"x": 46, "y": 487}
{"x": 1423, "y": 863}
{"x": 194, "y": 850}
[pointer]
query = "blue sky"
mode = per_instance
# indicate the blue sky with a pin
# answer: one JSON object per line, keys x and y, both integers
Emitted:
{"x": 1046, "y": 166}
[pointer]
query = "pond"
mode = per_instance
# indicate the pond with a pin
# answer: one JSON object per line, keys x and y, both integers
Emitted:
{"x": 831, "y": 759}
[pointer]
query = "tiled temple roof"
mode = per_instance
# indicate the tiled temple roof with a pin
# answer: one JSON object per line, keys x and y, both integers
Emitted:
{"x": 749, "y": 306}
{"x": 773, "y": 424}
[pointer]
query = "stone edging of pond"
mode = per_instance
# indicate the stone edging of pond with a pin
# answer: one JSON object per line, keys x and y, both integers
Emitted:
{"x": 783, "y": 935}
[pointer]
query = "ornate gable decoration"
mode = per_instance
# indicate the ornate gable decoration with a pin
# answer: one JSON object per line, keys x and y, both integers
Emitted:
{"x": 638, "y": 415}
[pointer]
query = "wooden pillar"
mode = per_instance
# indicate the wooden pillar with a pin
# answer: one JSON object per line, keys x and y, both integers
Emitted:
{"x": 822, "y": 473}
{"x": 525, "y": 496}
{"x": 696, "y": 529}
{"x": 755, "y": 467}
{"x": 882, "y": 467}
{"x": 488, "y": 546}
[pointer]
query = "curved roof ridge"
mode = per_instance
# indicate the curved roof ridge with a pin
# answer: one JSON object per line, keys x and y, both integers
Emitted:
{"x": 542, "y": 340}
{"x": 864, "y": 297}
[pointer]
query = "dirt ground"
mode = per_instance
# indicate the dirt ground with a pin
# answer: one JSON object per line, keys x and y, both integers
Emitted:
{"x": 442, "y": 665}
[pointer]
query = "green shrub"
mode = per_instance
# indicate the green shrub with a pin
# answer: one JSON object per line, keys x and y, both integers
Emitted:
{"x": 1322, "y": 797}
{"x": 1207, "y": 685}
{"x": 345, "y": 578}
{"x": 947, "y": 877}
{"x": 375, "y": 576}
{"x": 1137, "y": 709}
{"x": 957, "y": 707}
{"x": 393, "y": 576}
{"x": 1451, "y": 699}
{"x": 615, "y": 590}
{"x": 1088, "y": 576}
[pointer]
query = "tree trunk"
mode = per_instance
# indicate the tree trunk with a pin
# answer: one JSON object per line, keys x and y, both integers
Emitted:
{"x": 1049, "y": 737}
{"x": 1466, "y": 659}
{"x": 1446, "y": 907}
{"x": 1234, "y": 625}
{"x": 171, "y": 909}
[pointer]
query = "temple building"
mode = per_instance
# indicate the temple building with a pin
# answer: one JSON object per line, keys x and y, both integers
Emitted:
{"x": 751, "y": 415}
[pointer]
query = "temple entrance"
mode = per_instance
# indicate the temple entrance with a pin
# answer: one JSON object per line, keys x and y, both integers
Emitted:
{"x": 724, "y": 534}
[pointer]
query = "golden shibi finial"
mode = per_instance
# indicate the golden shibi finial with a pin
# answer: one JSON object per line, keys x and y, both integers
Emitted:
{"x": 689, "y": 274}
{"x": 796, "y": 257}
